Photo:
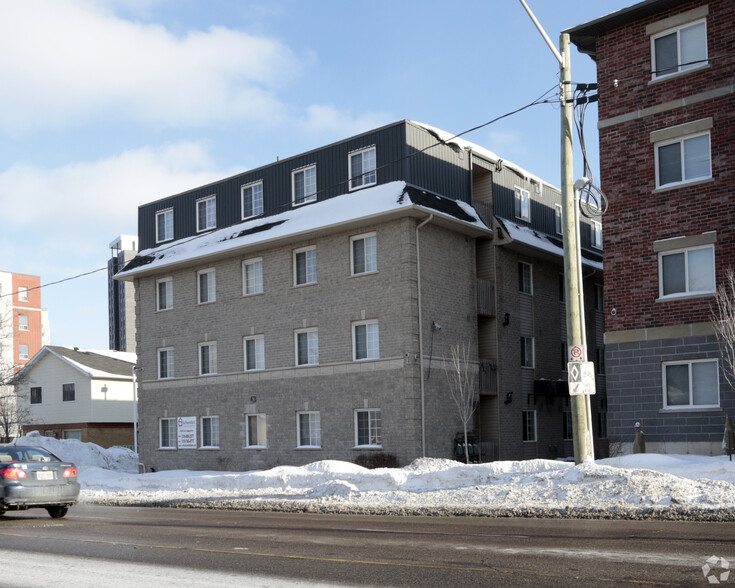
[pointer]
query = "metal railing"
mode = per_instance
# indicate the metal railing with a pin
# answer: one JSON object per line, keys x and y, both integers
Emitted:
{"x": 485, "y": 297}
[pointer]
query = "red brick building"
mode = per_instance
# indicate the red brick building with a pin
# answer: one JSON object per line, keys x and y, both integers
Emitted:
{"x": 667, "y": 134}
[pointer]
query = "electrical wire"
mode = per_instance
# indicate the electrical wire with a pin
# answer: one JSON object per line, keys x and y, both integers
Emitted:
{"x": 592, "y": 201}
{"x": 542, "y": 99}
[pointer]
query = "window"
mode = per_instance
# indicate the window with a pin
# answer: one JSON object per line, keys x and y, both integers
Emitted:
{"x": 255, "y": 432}
{"x": 567, "y": 428}
{"x": 364, "y": 253}
{"x": 563, "y": 356}
{"x": 365, "y": 340}
{"x": 687, "y": 271}
{"x": 165, "y": 225}
{"x": 304, "y": 266}
{"x": 524, "y": 277}
{"x": 682, "y": 160}
{"x": 36, "y": 395}
{"x": 206, "y": 213}
{"x": 523, "y": 204}
{"x": 207, "y": 358}
{"x": 600, "y": 364}
{"x": 557, "y": 219}
{"x": 206, "y": 286}
{"x": 368, "y": 428}
{"x": 529, "y": 425}
{"x": 164, "y": 294}
{"x": 252, "y": 200}
{"x": 602, "y": 424}
{"x": 562, "y": 288}
{"x": 303, "y": 185}
{"x": 23, "y": 351}
{"x": 72, "y": 434}
{"x": 679, "y": 49}
{"x": 362, "y": 168}
{"x": 68, "y": 392}
{"x": 254, "y": 351}
{"x": 167, "y": 434}
{"x": 527, "y": 352}
{"x": 210, "y": 431}
{"x": 252, "y": 276}
{"x": 691, "y": 384}
{"x": 309, "y": 431}
{"x": 596, "y": 234}
{"x": 165, "y": 363}
{"x": 599, "y": 298}
{"x": 22, "y": 293}
{"x": 307, "y": 347}
{"x": 22, "y": 322}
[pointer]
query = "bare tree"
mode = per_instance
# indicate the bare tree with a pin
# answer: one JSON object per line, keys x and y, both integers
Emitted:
{"x": 462, "y": 380}
{"x": 723, "y": 319}
{"x": 12, "y": 416}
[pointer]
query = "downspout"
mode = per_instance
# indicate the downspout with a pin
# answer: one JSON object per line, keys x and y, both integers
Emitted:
{"x": 421, "y": 334}
{"x": 135, "y": 414}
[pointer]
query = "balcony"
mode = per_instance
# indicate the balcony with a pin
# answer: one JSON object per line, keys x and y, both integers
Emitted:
{"x": 485, "y": 298}
{"x": 488, "y": 378}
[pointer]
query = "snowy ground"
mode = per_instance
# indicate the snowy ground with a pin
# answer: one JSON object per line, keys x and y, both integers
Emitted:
{"x": 634, "y": 486}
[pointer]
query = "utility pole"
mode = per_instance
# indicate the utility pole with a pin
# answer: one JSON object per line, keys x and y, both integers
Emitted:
{"x": 577, "y": 353}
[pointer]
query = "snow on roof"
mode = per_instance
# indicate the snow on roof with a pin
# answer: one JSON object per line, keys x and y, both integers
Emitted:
{"x": 448, "y": 138}
{"x": 541, "y": 241}
{"x": 351, "y": 207}
{"x": 96, "y": 363}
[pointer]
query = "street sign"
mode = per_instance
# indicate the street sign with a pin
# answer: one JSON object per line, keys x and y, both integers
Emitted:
{"x": 581, "y": 378}
{"x": 575, "y": 353}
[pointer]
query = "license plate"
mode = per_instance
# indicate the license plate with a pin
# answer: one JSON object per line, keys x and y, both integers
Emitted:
{"x": 44, "y": 475}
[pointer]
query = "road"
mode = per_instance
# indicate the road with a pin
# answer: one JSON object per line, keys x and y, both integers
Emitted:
{"x": 116, "y": 546}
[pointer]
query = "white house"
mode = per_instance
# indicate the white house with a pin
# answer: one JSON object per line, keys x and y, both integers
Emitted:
{"x": 72, "y": 393}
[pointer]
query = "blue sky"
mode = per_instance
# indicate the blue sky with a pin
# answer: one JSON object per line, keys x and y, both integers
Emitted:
{"x": 109, "y": 104}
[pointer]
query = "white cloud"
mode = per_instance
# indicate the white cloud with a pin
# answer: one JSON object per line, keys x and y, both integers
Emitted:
{"x": 69, "y": 60}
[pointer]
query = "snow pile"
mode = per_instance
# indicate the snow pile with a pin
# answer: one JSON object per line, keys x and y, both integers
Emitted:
{"x": 633, "y": 486}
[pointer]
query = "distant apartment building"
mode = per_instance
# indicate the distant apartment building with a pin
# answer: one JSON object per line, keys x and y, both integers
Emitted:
{"x": 667, "y": 156}
{"x": 307, "y": 309}
{"x": 121, "y": 295}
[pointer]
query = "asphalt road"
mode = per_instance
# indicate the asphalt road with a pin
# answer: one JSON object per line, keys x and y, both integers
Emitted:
{"x": 117, "y": 546}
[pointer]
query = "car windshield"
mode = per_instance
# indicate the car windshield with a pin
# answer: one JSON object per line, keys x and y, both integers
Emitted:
{"x": 10, "y": 454}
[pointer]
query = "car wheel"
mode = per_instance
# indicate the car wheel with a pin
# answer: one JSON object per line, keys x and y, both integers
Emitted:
{"x": 57, "y": 512}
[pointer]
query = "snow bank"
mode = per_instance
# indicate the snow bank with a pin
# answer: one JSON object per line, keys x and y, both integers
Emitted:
{"x": 633, "y": 486}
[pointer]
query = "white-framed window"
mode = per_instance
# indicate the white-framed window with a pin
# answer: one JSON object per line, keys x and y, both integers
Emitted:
{"x": 165, "y": 363}
{"x": 308, "y": 429}
{"x": 687, "y": 271}
{"x": 525, "y": 277}
{"x": 210, "y": 432}
{"x": 362, "y": 168}
{"x": 165, "y": 225}
{"x": 307, "y": 347}
{"x": 207, "y": 358}
{"x": 167, "y": 433}
{"x": 206, "y": 286}
{"x": 206, "y": 213}
{"x": 522, "y": 203}
{"x": 679, "y": 49}
{"x": 23, "y": 351}
{"x": 683, "y": 159}
{"x": 365, "y": 340}
{"x": 164, "y": 294}
{"x": 22, "y": 322}
{"x": 304, "y": 266}
{"x": 254, "y": 353}
{"x": 527, "y": 359}
{"x": 252, "y": 276}
{"x": 364, "y": 258}
{"x": 557, "y": 219}
{"x": 368, "y": 428}
{"x": 252, "y": 199}
{"x": 690, "y": 384}
{"x": 567, "y": 428}
{"x": 596, "y": 234}
{"x": 23, "y": 293}
{"x": 255, "y": 431}
{"x": 36, "y": 395}
{"x": 303, "y": 185}
{"x": 68, "y": 392}
{"x": 528, "y": 425}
